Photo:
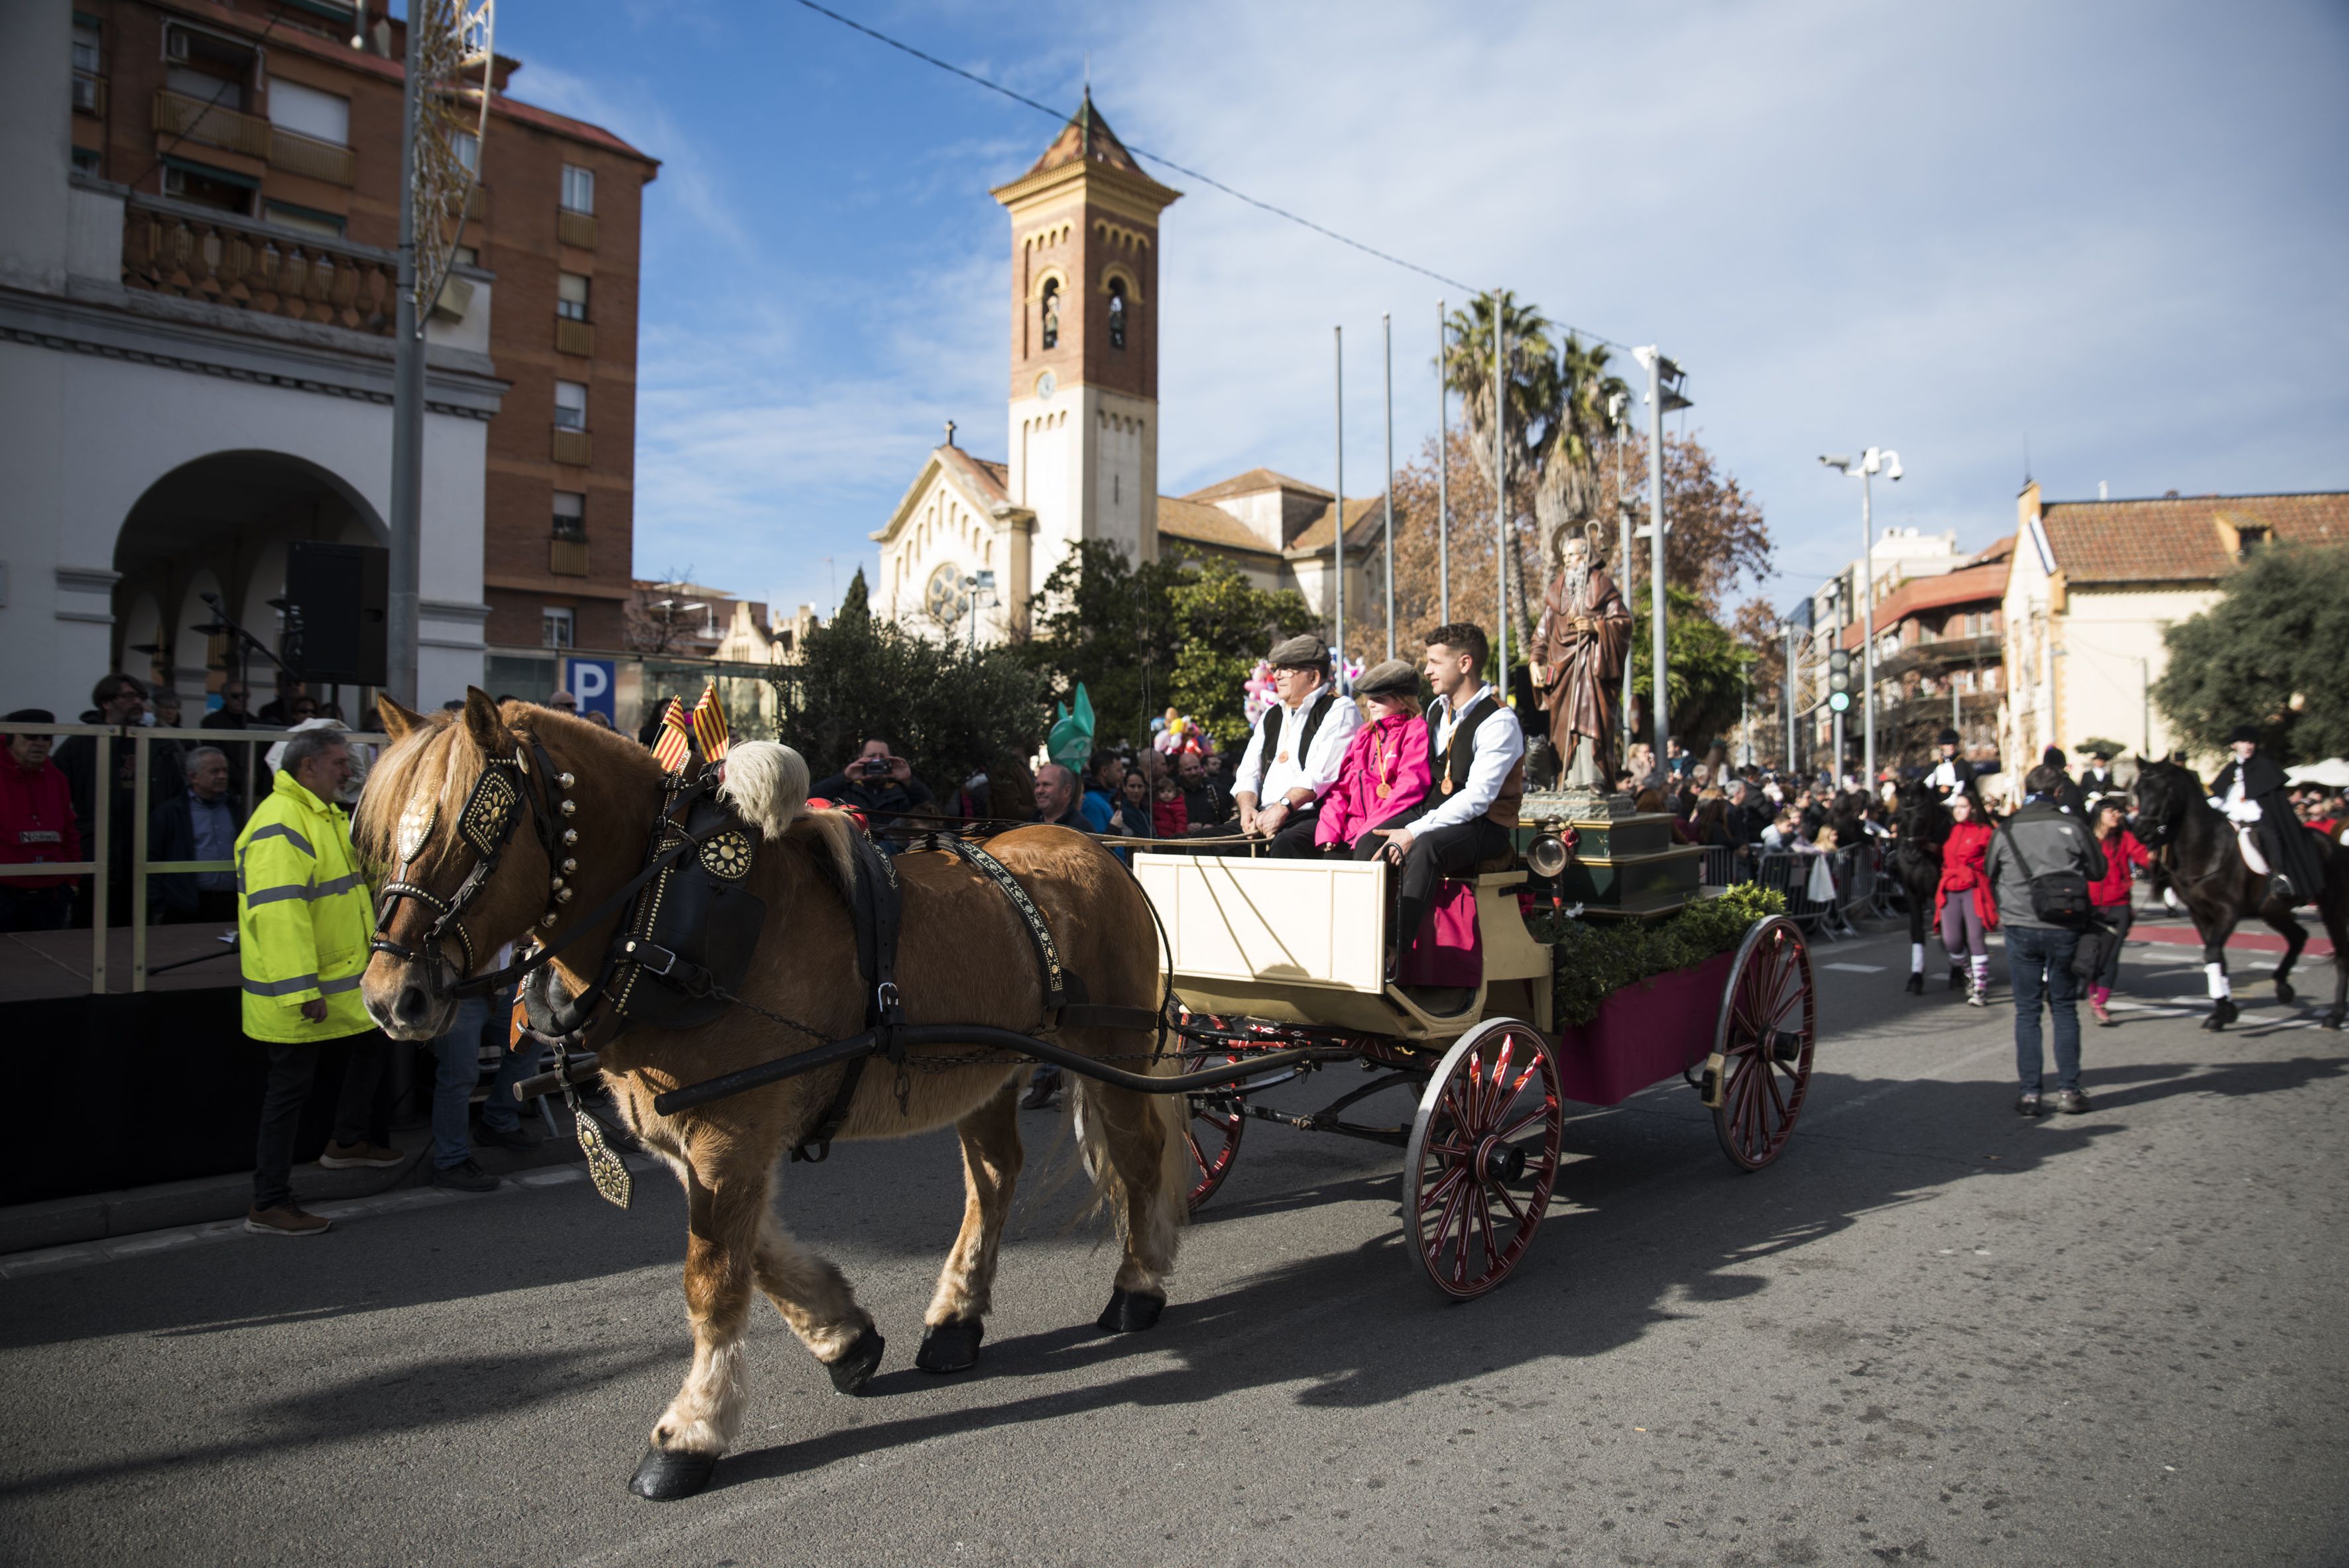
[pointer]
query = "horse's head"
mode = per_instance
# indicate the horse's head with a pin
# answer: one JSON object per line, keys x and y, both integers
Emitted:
{"x": 471, "y": 823}
{"x": 1920, "y": 813}
{"x": 2165, "y": 794}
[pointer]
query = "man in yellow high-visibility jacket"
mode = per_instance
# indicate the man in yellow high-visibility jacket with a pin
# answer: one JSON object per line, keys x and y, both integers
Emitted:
{"x": 304, "y": 916}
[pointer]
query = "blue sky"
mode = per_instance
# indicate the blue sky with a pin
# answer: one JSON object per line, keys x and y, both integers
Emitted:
{"x": 2119, "y": 232}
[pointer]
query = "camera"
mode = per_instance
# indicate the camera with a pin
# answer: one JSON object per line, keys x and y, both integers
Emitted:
{"x": 874, "y": 768}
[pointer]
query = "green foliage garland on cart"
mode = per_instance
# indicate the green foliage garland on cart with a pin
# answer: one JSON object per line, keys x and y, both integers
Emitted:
{"x": 1598, "y": 957}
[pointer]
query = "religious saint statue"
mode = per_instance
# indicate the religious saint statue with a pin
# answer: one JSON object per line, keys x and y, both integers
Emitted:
{"x": 1577, "y": 662}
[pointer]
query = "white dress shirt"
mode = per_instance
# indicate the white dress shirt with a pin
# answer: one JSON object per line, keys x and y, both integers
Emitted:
{"x": 1944, "y": 776}
{"x": 1270, "y": 780}
{"x": 1500, "y": 742}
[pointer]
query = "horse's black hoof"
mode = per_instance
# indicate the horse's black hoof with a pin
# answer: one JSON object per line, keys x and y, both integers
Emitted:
{"x": 2222, "y": 1014}
{"x": 2285, "y": 994}
{"x": 1915, "y": 984}
{"x": 2332, "y": 1020}
{"x": 855, "y": 1368}
{"x": 1130, "y": 1312}
{"x": 664, "y": 1477}
{"x": 951, "y": 1345}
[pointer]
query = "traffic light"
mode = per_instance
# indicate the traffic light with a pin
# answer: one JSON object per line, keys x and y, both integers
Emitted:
{"x": 1838, "y": 680}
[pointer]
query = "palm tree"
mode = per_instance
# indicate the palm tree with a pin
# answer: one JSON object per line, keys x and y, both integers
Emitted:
{"x": 1584, "y": 421}
{"x": 1532, "y": 373}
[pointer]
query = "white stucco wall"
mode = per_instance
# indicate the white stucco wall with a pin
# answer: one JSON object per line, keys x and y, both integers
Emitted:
{"x": 83, "y": 436}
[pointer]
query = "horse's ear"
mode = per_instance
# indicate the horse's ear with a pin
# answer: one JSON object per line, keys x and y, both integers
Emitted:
{"x": 397, "y": 720}
{"x": 482, "y": 723}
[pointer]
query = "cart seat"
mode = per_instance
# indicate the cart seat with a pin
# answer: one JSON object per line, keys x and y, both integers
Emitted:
{"x": 1493, "y": 865}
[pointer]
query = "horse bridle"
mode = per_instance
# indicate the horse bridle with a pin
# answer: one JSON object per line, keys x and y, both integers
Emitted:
{"x": 486, "y": 826}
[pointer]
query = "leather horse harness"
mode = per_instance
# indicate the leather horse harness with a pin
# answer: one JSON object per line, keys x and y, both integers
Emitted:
{"x": 690, "y": 932}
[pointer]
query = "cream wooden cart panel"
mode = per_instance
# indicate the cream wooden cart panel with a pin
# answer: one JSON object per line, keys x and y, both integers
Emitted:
{"x": 1288, "y": 922}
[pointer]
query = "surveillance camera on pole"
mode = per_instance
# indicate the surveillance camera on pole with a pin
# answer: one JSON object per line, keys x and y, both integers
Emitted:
{"x": 1875, "y": 460}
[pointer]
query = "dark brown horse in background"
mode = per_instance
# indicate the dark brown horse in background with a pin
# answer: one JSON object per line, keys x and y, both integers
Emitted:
{"x": 964, "y": 958}
{"x": 2206, "y": 870}
{"x": 1923, "y": 824}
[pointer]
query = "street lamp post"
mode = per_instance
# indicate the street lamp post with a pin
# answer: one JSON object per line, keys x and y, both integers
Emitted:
{"x": 1875, "y": 460}
{"x": 1442, "y": 473}
{"x": 1664, "y": 396}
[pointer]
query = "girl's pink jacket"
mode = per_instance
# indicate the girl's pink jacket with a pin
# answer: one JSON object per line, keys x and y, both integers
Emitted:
{"x": 1392, "y": 750}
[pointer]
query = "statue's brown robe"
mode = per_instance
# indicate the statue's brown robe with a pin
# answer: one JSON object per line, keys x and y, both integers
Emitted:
{"x": 1584, "y": 666}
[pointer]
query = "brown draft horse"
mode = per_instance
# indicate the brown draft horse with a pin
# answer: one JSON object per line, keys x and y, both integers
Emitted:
{"x": 965, "y": 957}
{"x": 2197, "y": 846}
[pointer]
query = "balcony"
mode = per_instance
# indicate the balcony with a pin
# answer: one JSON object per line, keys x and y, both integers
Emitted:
{"x": 575, "y": 229}
{"x": 176, "y": 114}
{"x": 567, "y": 557}
{"x": 1950, "y": 653}
{"x": 178, "y": 248}
{"x": 575, "y": 337}
{"x": 477, "y": 211}
{"x": 299, "y": 154}
{"x": 573, "y": 447}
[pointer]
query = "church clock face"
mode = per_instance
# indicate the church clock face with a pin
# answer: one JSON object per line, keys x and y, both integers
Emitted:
{"x": 943, "y": 595}
{"x": 1047, "y": 383}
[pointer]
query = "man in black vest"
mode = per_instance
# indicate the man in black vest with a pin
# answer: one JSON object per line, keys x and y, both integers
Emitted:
{"x": 1478, "y": 748}
{"x": 2096, "y": 779}
{"x": 2251, "y": 792}
{"x": 1292, "y": 760}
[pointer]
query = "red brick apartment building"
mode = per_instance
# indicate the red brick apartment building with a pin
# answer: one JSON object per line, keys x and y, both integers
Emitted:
{"x": 287, "y": 113}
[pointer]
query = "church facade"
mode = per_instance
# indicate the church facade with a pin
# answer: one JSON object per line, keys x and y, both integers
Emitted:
{"x": 968, "y": 547}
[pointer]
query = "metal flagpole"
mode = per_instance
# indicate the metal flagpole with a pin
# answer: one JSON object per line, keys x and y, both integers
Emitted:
{"x": 1660, "y": 718}
{"x": 1338, "y": 505}
{"x": 1501, "y": 494}
{"x": 406, "y": 521}
{"x": 1625, "y": 568}
{"x": 1386, "y": 331}
{"x": 1443, "y": 474}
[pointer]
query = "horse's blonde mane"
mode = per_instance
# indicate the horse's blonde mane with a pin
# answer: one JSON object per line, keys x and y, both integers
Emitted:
{"x": 437, "y": 757}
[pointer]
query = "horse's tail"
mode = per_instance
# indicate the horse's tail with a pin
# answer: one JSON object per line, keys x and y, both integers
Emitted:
{"x": 1163, "y": 1125}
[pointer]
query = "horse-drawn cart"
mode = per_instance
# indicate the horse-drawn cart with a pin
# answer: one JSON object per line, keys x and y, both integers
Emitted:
{"x": 1288, "y": 957}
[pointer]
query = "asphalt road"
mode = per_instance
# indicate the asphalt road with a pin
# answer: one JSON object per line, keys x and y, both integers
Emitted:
{"x": 1932, "y": 1333}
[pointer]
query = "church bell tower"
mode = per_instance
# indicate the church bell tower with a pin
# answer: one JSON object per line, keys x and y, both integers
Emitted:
{"x": 1084, "y": 344}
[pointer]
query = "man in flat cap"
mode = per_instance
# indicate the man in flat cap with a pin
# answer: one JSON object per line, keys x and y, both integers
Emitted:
{"x": 2251, "y": 792}
{"x": 1293, "y": 757}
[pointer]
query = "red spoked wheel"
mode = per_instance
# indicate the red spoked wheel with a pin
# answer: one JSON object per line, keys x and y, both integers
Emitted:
{"x": 1760, "y": 1071}
{"x": 1219, "y": 1117}
{"x": 1482, "y": 1157}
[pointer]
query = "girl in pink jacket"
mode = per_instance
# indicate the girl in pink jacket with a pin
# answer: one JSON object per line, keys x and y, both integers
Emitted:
{"x": 1387, "y": 767}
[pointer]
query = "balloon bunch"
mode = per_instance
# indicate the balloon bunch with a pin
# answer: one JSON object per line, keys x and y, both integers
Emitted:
{"x": 1179, "y": 733}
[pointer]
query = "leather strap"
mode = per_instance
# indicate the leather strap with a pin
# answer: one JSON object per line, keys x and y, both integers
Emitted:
{"x": 877, "y": 911}
{"x": 1058, "y": 981}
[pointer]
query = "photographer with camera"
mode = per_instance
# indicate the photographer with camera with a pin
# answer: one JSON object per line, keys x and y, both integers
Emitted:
{"x": 879, "y": 783}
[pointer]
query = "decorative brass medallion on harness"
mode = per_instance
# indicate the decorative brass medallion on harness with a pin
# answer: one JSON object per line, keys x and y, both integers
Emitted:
{"x": 727, "y": 855}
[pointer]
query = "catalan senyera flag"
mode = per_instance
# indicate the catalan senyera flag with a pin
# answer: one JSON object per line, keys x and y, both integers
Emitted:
{"x": 675, "y": 748}
{"x": 709, "y": 725}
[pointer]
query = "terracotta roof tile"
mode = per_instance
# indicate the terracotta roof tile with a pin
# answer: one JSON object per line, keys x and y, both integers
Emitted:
{"x": 1255, "y": 483}
{"x": 1364, "y": 516}
{"x": 1087, "y": 135}
{"x": 990, "y": 480}
{"x": 1180, "y": 517}
{"x": 2181, "y": 541}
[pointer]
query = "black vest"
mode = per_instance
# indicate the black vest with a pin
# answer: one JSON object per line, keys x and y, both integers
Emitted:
{"x": 1317, "y": 708}
{"x": 1456, "y": 759}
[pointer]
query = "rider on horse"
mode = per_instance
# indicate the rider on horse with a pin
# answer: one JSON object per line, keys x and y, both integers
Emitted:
{"x": 1952, "y": 775}
{"x": 2251, "y": 792}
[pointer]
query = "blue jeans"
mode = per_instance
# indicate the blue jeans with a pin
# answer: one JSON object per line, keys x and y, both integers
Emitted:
{"x": 2039, "y": 964}
{"x": 459, "y": 1054}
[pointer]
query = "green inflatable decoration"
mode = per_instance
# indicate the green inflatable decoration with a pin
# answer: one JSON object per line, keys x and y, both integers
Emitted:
{"x": 1071, "y": 740}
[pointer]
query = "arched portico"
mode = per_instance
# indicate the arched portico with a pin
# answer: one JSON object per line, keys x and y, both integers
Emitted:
{"x": 222, "y": 524}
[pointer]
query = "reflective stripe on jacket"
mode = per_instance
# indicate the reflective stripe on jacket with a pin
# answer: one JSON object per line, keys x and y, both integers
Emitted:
{"x": 304, "y": 915}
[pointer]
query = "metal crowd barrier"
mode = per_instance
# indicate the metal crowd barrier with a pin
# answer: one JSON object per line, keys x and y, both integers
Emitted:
{"x": 99, "y": 830}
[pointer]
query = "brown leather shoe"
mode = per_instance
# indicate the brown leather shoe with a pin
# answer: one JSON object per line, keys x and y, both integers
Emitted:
{"x": 374, "y": 1156}
{"x": 286, "y": 1220}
